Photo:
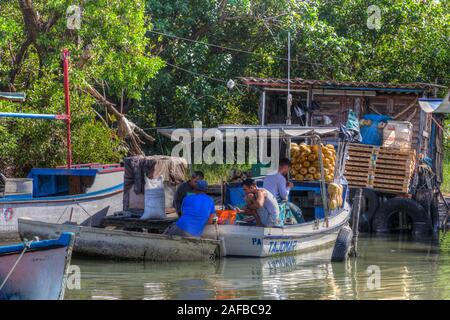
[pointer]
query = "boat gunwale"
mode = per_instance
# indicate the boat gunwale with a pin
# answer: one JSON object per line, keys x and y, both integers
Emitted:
{"x": 93, "y": 230}
{"x": 41, "y": 245}
{"x": 295, "y": 226}
{"x": 67, "y": 198}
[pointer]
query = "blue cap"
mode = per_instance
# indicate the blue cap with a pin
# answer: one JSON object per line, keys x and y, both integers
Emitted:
{"x": 201, "y": 185}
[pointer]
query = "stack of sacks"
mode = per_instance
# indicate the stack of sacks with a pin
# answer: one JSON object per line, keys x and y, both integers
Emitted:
{"x": 305, "y": 162}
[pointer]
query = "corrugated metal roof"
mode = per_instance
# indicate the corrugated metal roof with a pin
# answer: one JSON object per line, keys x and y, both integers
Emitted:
{"x": 299, "y": 83}
{"x": 284, "y": 131}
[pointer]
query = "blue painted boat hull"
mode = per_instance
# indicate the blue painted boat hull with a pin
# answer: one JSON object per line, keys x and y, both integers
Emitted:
{"x": 40, "y": 273}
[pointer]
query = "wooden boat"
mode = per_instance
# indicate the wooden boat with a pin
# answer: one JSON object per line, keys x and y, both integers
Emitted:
{"x": 252, "y": 241}
{"x": 36, "y": 270}
{"x": 121, "y": 244}
{"x": 322, "y": 225}
{"x": 84, "y": 193}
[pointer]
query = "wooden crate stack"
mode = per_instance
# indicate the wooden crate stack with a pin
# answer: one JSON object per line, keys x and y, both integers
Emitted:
{"x": 359, "y": 168}
{"x": 380, "y": 168}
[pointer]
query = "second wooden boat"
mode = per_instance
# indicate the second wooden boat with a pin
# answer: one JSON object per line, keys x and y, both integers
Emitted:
{"x": 128, "y": 245}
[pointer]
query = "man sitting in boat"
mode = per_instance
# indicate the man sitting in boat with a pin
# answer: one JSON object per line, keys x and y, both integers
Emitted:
{"x": 184, "y": 189}
{"x": 261, "y": 204}
{"x": 277, "y": 184}
{"x": 196, "y": 210}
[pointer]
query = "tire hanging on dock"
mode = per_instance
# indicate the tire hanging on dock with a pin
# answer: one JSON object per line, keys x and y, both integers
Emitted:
{"x": 342, "y": 246}
{"x": 369, "y": 205}
{"x": 420, "y": 222}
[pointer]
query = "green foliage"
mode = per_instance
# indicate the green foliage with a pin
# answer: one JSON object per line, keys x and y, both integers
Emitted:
{"x": 108, "y": 52}
{"x": 330, "y": 40}
{"x": 217, "y": 173}
{"x": 445, "y": 186}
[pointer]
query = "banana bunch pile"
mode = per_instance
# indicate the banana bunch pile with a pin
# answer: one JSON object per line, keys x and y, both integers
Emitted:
{"x": 305, "y": 161}
{"x": 335, "y": 192}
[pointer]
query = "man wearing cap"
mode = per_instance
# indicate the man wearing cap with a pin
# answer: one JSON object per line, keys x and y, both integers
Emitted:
{"x": 196, "y": 210}
{"x": 184, "y": 189}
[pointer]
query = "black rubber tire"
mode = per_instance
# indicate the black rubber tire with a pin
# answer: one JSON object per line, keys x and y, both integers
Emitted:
{"x": 369, "y": 205}
{"x": 421, "y": 224}
{"x": 342, "y": 244}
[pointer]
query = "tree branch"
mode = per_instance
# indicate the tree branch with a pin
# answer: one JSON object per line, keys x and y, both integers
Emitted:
{"x": 127, "y": 129}
{"x": 32, "y": 27}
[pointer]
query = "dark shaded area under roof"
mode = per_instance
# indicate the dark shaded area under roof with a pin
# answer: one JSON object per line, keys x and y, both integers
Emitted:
{"x": 299, "y": 83}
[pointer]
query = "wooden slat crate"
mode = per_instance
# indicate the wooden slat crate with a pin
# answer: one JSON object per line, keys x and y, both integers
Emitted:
{"x": 380, "y": 168}
{"x": 359, "y": 168}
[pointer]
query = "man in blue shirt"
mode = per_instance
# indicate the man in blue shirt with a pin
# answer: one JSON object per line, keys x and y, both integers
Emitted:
{"x": 196, "y": 210}
{"x": 184, "y": 189}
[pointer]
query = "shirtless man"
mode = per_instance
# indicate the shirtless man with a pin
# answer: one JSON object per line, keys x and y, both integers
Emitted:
{"x": 261, "y": 204}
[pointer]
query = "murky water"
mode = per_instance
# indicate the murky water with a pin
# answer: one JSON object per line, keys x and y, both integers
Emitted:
{"x": 408, "y": 270}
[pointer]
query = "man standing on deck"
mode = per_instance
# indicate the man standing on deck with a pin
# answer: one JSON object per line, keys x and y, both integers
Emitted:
{"x": 196, "y": 209}
{"x": 261, "y": 204}
{"x": 278, "y": 185}
{"x": 185, "y": 188}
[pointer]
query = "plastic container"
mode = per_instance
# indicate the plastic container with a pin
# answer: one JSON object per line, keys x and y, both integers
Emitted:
{"x": 398, "y": 134}
{"x": 224, "y": 217}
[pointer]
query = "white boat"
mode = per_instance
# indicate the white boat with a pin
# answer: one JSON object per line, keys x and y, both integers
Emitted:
{"x": 322, "y": 226}
{"x": 126, "y": 245}
{"x": 253, "y": 241}
{"x": 35, "y": 270}
{"x": 84, "y": 193}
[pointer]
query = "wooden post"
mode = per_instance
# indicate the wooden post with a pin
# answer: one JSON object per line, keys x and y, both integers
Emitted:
{"x": 355, "y": 221}
{"x": 323, "y": 185}
{"x": 65, "y": 58}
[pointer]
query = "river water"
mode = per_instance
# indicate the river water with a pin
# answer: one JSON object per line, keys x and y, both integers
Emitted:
{"x": 386, "y": 268}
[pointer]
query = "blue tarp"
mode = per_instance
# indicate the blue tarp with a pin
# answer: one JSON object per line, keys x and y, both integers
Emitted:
{"x": 371, "y": 134}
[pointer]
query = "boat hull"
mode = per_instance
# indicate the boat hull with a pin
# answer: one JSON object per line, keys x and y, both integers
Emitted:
{"x": 127, "y": 245}
{"x": 88, "y": 210}
{"x": 40, "y": 273}
{"x": 252, "y": 241}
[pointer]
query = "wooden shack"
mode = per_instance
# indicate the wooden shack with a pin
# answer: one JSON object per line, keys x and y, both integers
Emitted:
{"x": 325, "y": 102}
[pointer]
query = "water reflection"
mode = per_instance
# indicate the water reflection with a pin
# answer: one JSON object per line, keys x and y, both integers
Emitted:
{"x": 408, "y": 270}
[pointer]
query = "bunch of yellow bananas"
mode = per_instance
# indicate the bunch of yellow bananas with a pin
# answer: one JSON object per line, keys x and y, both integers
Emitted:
{"x": 335, "y": 192}
{"x": 305, "y": 161}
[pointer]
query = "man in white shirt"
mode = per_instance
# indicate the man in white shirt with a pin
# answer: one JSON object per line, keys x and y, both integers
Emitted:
{"x": 278, "y": 185}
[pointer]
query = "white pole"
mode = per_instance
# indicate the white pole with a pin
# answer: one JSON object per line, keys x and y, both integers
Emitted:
{"x": 263, "y": 111}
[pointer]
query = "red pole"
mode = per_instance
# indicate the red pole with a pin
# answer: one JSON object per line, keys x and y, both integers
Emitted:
{"x": 65, "y": 56}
